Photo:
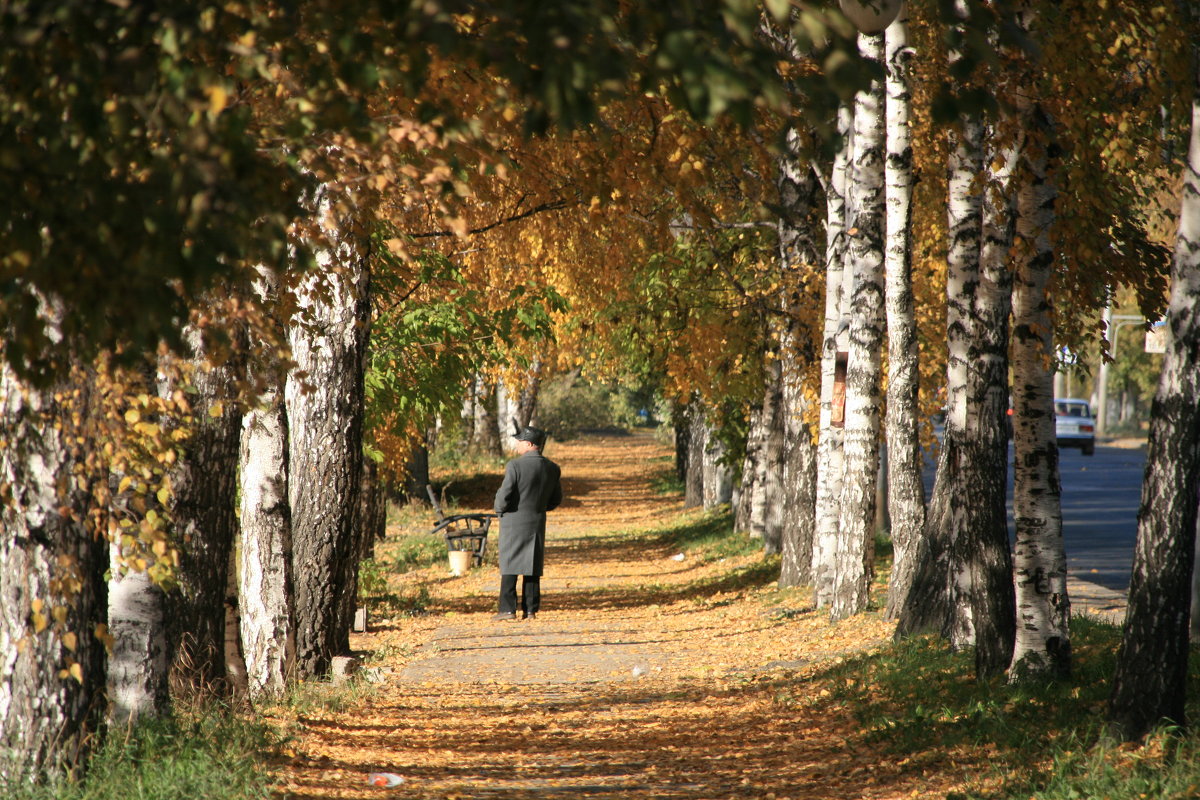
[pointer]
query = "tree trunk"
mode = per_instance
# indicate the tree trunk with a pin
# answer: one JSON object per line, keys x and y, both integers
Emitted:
{"x": 324, "y": 401}
{"x": 905, "y": 490}
{"x": 487, "y": 425}
{"x": 829, "y": 447}
{"x": 1150, "y": 683}
{"x": 697, "y": 443}
{"x": 52, "y": 593}
{"x": 137, "y": 667}
{"x": 749, "y": 496}
{"x": 936, "y": 602}
{"x": 856, "y": 544}
{"x": 718, "y": 480}
{"x": 527, "y": 402}
{"x": 769, "y": 497}
{"x": 265, "y": 595}
{"x": 203, "y": 512}
{"x": 1042, "y": 647}
{"x": 987, "y": 557}
{"x": 799, "y": 260}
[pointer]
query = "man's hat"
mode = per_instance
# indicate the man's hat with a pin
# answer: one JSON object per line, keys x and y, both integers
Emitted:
{"x": 535, "y": 436}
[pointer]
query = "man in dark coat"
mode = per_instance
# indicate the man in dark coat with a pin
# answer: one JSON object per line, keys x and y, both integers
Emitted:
{"x": 531, "y": 488}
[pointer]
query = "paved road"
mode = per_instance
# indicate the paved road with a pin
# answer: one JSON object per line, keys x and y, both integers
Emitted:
{"x": 1100, "y": 502}
{"x": 1101, "y": 494}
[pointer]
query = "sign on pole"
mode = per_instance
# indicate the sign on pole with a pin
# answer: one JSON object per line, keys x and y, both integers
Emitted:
{"x": 1156, "y": 338}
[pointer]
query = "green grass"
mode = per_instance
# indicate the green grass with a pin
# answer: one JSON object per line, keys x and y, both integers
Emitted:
{"x": 216, "y": 756}
{"x": 710, "y": 537}
{"x": 1044, "y": 740}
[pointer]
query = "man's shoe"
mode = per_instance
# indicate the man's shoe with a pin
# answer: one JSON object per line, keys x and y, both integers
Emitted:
{"x": 505, "y": 616}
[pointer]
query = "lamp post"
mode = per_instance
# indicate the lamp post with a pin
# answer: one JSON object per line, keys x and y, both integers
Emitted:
{"x": 1113, "y": 324}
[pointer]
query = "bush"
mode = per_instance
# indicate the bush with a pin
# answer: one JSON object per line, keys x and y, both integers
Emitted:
{"x": 566, "y": 407}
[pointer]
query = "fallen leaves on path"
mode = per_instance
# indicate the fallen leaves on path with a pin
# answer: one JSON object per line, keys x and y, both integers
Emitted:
{"x": 645, "y": 673}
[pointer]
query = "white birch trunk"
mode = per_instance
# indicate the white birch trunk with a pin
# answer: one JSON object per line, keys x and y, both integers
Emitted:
{"x": 855, "y": 553}
{"x": 799, "y": 262}
{"x": 51, "y": 593}
{"x": 905, "y": 492}
{"x": 1042, "y": 647}
{"x": 938, "y": 599}
{"x": 137, "y": 667}
{"x": 324, "y": 402}
{"x": 1150, "y": 683}
{"x": 770, "y": 489}
{"x": 265, "y": 590}
{"x": 748, "y": 495}
{"x": 829, "y": 447}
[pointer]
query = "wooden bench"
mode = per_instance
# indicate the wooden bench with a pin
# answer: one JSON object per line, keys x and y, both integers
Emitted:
{"x": 462, "y": 531}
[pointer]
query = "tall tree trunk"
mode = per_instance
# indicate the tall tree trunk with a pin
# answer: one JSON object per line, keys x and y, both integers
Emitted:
{"x": 905, "y": 492}
{"x": 856, "y": 550}
{"x": 799, "y": 260}
{"x": 1150, "y": 683}
{"x": 837, "y": 301}
{"x": 769, "y": 497}
{"x": 265, "y": 595}
{"x": 749, "y": 494}
{"x": 52, "y": 593}
{"x": 936, "y": 601}
{"x": 1042, "y": 647}
{"x": 986, "y": 557}
{"x": 697, "y": 443}
{"x": 324, "y": 401}
{"x": 203, "y": 511}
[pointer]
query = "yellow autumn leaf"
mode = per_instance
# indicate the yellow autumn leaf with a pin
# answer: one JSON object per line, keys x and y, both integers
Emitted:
{"x": 69, "y": 641}
{"x": 76, "y": 671}
{"x": 132, "y": 416}
{"x": 218, "y": 98}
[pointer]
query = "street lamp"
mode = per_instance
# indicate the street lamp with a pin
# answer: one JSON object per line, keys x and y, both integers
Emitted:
{"x": 1113, "y": 324}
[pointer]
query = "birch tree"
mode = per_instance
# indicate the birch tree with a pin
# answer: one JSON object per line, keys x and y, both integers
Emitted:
{"x": 51, "y": 594}
{"x": 323, "y": 397}
{"x": 203, "y": 509}
{"x": 799, "y": 257}
{"x": 829, "y": 446}
{"x": 864, "y": 256}
{"x": 906, "y": 492}
{"x": 1042, "y": 645}
{"x": 265, "y": 591}
{"x": 1150, "y": 684}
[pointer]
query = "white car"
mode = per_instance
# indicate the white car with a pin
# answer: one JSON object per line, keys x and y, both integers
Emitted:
{"x": 1074, "y": 426}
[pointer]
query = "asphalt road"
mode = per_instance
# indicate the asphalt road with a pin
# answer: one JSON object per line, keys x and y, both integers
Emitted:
{"x": 1100, "y": 501}
{"x": 1099, "y": 507}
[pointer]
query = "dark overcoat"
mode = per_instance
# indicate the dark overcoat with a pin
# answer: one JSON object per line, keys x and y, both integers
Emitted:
{"x": 531, "y": 488}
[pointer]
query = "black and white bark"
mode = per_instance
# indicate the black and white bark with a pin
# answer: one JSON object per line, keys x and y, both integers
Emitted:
{"x": 695, "y": 441}
{"x": 905, "y": 490}
{"x": 1150, "y": 684}
{"x": 1042, "y": 647}
{"x": 266, "y": 592}
{"x": 939, "y": 597}
{"x": 744, "y": 508}
{"x": 52, "y": 591}
{"x": 324, "y": 402}
{"x": 829, "y": 446}
{"x": 767, "y": 510}
{"x": 864, "y": 256}
{"x": 137, "y": 683}
{"x": 800, "y": 256}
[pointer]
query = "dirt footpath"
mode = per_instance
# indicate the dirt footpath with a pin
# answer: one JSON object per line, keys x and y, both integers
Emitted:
{"x": 648, "y": 671}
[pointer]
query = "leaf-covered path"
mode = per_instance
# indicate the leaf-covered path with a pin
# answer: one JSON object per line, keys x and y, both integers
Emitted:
{"x": 653, "y": 669}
